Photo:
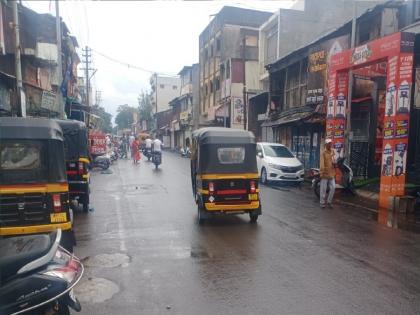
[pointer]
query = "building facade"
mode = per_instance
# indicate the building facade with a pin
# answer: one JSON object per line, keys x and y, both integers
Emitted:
{"x": 39, "y": 59}
{"x": 164, "y": 89}
{"x": 182, "y": 123}
{"x": 375, "y": 124}
{"x": 228, "y": 63}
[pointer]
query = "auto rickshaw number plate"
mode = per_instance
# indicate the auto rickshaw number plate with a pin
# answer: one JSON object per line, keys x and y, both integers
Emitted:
{"x": 253, "y": 196}
{"x": 58, "y": 217}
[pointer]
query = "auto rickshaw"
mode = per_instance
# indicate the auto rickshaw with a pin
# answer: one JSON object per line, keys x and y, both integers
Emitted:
{"x": 76, "y": 151}
{"x": 34, "y": 193}
{"x": 224, "y": 173}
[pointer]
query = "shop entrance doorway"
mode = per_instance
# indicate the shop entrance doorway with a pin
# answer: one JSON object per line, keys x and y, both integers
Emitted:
{"x": 396, "y": 50}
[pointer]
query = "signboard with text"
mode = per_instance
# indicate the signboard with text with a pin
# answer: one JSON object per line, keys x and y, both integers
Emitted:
{"x": 97, "y": 141}
{"x": 317, "y": 67}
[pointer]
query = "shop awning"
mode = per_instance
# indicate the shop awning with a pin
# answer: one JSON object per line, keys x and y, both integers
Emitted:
{"x": 291, "y": 116}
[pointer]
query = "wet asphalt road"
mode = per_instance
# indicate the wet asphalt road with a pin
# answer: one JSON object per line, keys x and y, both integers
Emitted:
{"x": 144, "y": 253}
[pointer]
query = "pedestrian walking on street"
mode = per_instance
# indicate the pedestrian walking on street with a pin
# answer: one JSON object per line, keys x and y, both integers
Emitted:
{"x": 130, "y": 143}
{"x": 135, "y": 151}
{"x": 327, "y": 169}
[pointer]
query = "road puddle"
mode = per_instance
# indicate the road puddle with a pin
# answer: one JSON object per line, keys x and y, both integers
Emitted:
{"x": 107, "y": 260}
{"x": 96, "y": 290}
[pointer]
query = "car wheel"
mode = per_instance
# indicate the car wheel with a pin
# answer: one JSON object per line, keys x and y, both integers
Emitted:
{"x": 263, "y": 177}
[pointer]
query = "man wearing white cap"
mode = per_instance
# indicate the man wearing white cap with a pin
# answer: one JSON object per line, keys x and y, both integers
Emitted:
{"x": 327, "y": 170}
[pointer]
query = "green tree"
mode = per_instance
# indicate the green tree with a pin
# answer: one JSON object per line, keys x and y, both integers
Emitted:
{"x": 124, "y": 118}
{"x": 145, "y": 108}
{"x": 104, "y": 122}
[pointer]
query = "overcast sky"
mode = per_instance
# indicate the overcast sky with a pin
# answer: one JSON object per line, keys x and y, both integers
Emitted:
{"x": 160, "y": 36}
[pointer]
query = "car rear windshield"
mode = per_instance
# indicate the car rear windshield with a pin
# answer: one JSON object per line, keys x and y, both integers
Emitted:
{"x": 20, "y": 156}
{"x": 231, "y": 155}
{"x": 277, "y": 151}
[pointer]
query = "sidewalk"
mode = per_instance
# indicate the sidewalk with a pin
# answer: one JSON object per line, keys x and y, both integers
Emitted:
{"x": 368, "y": 200}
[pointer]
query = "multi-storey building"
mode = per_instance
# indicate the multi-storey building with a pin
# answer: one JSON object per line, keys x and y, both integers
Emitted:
{"x": 289, "y": 29}
{"x": 164, "y": 89}
{"x": 182, "y": 108}
{"x": 228, "y": 59}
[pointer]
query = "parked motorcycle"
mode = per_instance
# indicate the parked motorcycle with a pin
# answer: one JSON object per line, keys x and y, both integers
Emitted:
{"x": 347, "y": 179}
{"x": 37, "y": 275}
{"x": 101, "y": 161}
{"x": 114, "y": 155}
{"x": 157, "y": 159}
{"x": 185, "y": 152}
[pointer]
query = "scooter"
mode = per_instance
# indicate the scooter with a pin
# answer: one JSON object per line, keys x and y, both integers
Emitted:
{"x": 157, "y": 159}
{"x": 37, "y": 275}
{"x": 147, "y": 153}
{"x": 347, "y": 179}
{"x": 101, "y": 161}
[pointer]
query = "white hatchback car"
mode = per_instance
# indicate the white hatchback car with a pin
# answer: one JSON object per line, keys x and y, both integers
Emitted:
{"x": 277, "y": 164}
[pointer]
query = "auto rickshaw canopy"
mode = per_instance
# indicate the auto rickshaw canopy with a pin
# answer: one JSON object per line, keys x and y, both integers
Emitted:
{"x": 76, "y": 139}
{"x": 31, "y": 151}
{"x": 29, "y": 128}
{"x": 223, "y": 150}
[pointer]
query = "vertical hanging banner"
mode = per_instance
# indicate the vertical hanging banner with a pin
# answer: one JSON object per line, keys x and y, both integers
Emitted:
{"x": 397, "y": 49}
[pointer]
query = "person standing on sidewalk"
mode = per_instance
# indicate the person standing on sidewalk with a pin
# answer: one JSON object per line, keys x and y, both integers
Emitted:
{"x": 327, "y": 170}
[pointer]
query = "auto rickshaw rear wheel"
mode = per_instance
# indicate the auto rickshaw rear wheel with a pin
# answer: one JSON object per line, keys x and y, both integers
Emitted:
{"x": 253, "y": 217}
{"x": 200, "y": 214}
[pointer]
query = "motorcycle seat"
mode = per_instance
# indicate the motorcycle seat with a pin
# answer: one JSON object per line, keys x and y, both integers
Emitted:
{"x": 16, "y": 252}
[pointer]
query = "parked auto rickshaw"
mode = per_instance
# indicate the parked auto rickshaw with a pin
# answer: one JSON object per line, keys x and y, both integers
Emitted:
{"x": 76, "y": 151}
{"x": 34, "y": 193}
{"x": 224, "y": 173}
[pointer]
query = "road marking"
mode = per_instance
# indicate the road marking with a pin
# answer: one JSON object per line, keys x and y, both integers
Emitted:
{"x": 121, "y": 229}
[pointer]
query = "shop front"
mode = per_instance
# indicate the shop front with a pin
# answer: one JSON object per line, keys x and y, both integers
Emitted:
{"x": 301, "y": 129}
{"x": 381, "y": 119}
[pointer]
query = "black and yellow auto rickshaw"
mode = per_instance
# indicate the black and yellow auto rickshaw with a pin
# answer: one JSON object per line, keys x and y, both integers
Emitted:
{"x": 77, "y": 160}
{"x": 224, "y": 173}
{"x": 34, "y": 194}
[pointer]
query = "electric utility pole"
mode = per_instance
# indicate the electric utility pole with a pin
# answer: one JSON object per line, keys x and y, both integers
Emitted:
{"x": 87, "y": 55}
{"x": 59, "y": 60}
{"x": 18, "y": 69}
{"x": 348, "y": 139}
{"x": 245, "y": 111}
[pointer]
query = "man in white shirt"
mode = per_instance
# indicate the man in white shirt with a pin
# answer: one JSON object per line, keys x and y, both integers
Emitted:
{"x": 148, "y": 143}
{"x": 157, "y": 145}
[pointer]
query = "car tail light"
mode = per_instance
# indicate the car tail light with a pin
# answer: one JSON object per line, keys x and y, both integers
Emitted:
{"x": 81, "y": 168}
{"x": 211, "y": 187}
{"x": 252, "y": 187}
{"x": 57, "y": 202}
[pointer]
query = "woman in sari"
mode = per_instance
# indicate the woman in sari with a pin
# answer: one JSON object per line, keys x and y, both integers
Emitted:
{"x": 135, "y": 149}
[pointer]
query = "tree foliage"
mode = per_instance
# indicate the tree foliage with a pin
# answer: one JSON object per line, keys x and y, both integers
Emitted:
{"x": 104, "y": 123}
{"x": 124, "y": 118}
{"x": 145, "y": 107}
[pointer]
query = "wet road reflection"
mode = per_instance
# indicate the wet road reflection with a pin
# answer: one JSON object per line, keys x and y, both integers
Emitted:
{"x": 298, "y": 259}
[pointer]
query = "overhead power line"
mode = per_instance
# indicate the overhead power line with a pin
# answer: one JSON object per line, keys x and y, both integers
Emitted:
{"x": 131, "y": 66}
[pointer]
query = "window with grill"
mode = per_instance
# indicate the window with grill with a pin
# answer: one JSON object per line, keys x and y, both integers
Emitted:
{"x": 292, "y": 86}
